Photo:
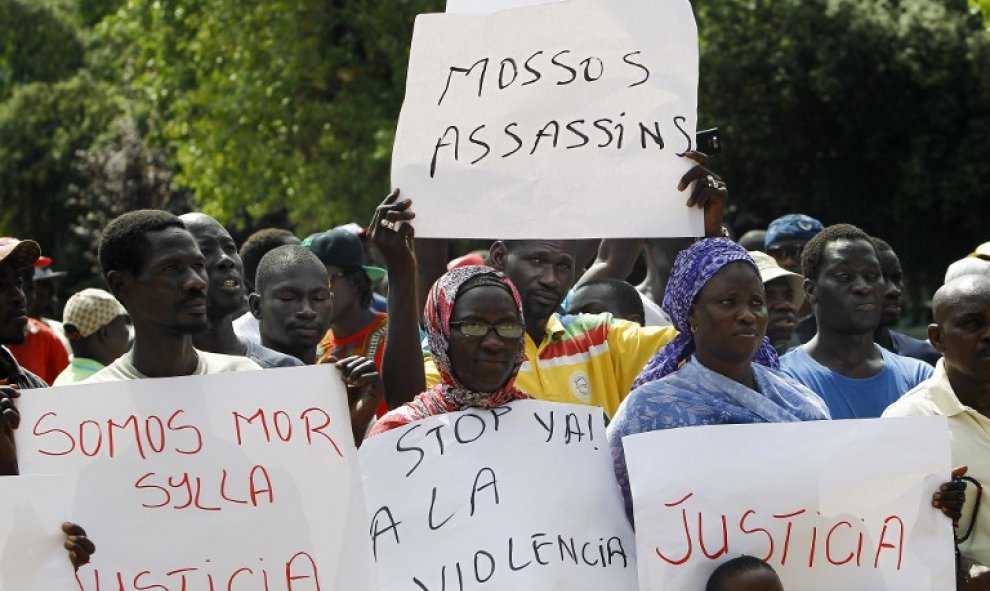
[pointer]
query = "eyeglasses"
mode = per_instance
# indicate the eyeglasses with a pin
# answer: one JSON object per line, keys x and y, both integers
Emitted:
{"x": 479, "y": 330}
{"x": 789, "y": 251}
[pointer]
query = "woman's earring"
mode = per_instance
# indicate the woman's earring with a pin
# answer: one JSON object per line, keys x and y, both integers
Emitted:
{"x": 694, "y": 328}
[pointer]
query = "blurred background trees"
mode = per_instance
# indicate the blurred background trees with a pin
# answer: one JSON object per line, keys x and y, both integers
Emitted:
{"x": 283, "y": 112}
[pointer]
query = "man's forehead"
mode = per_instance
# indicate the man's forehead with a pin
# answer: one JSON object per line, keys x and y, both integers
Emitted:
{"x": 592, "y": 293}
{"x": 203, "y": 226}
{"x": 555, "y": 246}
{"x": 302, "y": 275}
{"x": 845, "y": 250}
{"x": 969, "y": 302}
{"x": 172, "y": 243}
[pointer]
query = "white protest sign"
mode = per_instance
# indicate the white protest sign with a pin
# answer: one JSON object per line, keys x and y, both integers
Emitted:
{"x": 829, "y": 504}
{"x": 245, "y": 480}
{"x": 489, "y": 6}
{"x": 32, "y": 510}
{"x": 563, "y": 120}
{"x": 517, "y": 497}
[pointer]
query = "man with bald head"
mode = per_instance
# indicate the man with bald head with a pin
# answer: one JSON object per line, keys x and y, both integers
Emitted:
{"x": 225, "y": 295}
{"x": 960, "y": 391}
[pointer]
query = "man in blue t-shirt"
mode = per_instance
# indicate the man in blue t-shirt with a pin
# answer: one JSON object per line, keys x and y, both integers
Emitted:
{"x": 844, "y": 285}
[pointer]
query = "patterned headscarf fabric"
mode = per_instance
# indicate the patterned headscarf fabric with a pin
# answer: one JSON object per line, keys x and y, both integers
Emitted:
{"x": 692, "y": 269}
{"x": 450, "y": 395}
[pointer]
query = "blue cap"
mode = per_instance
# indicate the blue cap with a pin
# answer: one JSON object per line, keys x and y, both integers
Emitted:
{"x": 793, "y": 226}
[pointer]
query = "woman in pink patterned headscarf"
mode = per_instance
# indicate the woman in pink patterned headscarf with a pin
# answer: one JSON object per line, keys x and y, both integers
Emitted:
{"x": 475, "y": 328}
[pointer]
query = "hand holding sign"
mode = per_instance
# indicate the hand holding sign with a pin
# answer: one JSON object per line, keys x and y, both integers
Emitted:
{"x": 80, "y": 547}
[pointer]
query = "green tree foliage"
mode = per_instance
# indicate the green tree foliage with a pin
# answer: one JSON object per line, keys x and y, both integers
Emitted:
{"x": 43, "y": 126}
{"x": 875, "y": 113}
{"x": 267, "y": 105}
{"x": 116, "y": 175}
{"x": 36, "y": 45}
{"x": 984, "y": 7}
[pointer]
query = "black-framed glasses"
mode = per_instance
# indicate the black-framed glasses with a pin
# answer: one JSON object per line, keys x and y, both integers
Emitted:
{"x": 479, "y": 329}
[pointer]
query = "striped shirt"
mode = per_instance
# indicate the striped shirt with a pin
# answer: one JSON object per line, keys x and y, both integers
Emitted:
{"x": 584, "y": 359}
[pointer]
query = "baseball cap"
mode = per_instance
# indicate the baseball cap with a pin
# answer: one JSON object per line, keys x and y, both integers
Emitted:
{"x": 90, "y": 310}
{"x": 340, "y": 248}
{"x": 770, "y": 270}
{"x": 20, "y": 253}
{"x": 794, "y": 226}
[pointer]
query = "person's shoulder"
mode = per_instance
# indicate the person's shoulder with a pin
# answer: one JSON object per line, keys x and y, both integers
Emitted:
{"x": 797, "y": 359}
{"x": 908, "y": 366}
{"x": 613, "y": 327}
{"x": 269, "y": 358}
{"x": 31, "y": 380}
{"x": 667, "y": 390}
{"x": 917, "y": 402}
{"x": 219, "y": 362}
{"x": 117, "y": 371}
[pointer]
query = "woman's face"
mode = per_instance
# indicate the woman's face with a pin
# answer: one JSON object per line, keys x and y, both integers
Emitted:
{"x": 484, "y": 363}
{"x": 729, "y": 317}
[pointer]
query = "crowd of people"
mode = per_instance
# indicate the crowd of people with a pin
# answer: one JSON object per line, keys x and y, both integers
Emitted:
{"x": 794, "y": 323}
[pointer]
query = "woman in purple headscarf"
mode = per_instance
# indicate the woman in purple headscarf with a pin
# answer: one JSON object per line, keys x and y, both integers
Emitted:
{"x": 721, "y": 369}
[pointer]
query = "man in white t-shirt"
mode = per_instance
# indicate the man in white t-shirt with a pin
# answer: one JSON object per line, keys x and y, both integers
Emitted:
{"x": 156, "y": 270}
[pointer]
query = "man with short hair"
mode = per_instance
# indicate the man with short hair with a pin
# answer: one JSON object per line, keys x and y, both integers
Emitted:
{"x": 893, "y": 302}
{"x": 225, "y": 295}
{"x": 97, "y": 327}
{"x": 155, "y": 269}
{"x": 960, "y": 391}
{"x": 254, "y": 247}
{"x": 293, "y": 301}
{"x": 616, "y": 297}
{"x": 844, "y": 284}
{"x": 784, "y": 297}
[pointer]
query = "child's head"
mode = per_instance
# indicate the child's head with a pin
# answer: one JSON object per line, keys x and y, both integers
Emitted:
{"x": 745, "y": 573}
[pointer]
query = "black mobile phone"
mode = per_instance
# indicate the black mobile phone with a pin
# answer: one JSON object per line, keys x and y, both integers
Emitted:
{"x": 707, "y": 141}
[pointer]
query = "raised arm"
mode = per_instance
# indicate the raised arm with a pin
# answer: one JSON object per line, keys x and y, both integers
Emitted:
{"x": 402, "y": 364}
